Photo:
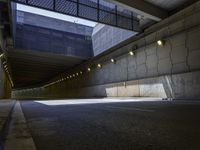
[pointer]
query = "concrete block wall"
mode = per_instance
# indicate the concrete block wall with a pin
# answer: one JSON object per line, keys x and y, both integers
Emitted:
{"x": 169, "y": 71}
{"x": 51, "y": 23}
{"x": 178, "y": 86}
{"x": 105, "y": 37}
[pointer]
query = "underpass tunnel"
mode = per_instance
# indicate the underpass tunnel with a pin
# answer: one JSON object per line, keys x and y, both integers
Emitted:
{"x": 118, "y": 51}
{"x": 134, "y": 65}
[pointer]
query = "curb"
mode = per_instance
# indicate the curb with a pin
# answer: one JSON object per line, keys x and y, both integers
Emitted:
{"x": 4, "y": 130}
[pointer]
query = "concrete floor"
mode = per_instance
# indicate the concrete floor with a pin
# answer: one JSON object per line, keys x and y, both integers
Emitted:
{"x": 140, "y": 125}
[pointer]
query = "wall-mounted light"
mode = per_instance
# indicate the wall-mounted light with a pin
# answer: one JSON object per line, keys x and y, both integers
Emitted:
{"x": 99, "y": 66}
{"x": 113, "y": 60}
{"x": 131, "y": 53}
{"x": 88, "y": 69}
{"x": 161, "y": 42}
{"x": 1, "y": 55}
{"x": 5, "y": 66}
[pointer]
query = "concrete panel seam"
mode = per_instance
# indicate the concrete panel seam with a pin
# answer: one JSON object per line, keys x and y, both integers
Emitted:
{"x": 186, "y": 46}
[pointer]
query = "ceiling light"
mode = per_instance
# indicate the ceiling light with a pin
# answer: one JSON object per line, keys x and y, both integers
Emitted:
{"x": 131, "y": 53}
{"x": 77, "y": 73}
{"x": 81, "y": 72}
{"x": 161, "y": 42}
{"x": 113, "y": 60}
{"x": 89, "y": 69}
{"x": 99, "y": 66}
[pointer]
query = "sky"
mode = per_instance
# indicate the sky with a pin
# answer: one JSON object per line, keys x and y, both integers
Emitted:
{"x": 55, "y": 15}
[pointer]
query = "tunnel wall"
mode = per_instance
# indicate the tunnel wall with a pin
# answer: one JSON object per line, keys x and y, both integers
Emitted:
{"x": 170, "y": 71}
{"x": 5, "y": 86}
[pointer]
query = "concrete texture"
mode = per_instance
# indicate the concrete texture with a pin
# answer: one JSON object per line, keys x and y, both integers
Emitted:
{"x": 151, "y": 125}
{"x": 105, "y": 37}
{"x": 168, "y": 71}
{"x": 52, "y": 23}
{"x": 177, "y": 86}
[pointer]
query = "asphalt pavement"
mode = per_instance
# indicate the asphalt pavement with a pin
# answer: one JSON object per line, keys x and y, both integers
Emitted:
{"x": 139, "y": 125}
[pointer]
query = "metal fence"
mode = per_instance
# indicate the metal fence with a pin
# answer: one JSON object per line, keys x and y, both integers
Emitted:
{"x": 99, "y": 11}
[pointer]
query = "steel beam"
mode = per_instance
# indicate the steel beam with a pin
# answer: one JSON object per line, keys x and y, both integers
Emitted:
{"x": 143, "y": 8}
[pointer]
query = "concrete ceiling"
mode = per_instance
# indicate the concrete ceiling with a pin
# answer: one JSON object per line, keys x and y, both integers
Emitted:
{"x": 34, "y": 68}
{"x": 168, "y": 5}
{"x": 155, "y": 10}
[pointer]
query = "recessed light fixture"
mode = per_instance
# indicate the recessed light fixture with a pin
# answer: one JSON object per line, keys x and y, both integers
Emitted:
{"x": 131, "y": 53}
{"x": 161, "y": 42}
{"x": 113, "y": 60}
{"x": 1, "y": 55}
{"x": 99, "y": 66}
{"x": 89, "y": 69}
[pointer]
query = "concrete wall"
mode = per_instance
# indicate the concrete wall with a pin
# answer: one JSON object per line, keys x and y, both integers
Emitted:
{"x": 105, "y": 37}
{"x": 169, "y": 71}
{"x": 5, "y": 86}
{"x": 33, "y": 38}
{"x": 1, "y": 40}
{"x": 180, "y": 86}
{"x": 52, "y": 23}
{"x": 51, "y": 35}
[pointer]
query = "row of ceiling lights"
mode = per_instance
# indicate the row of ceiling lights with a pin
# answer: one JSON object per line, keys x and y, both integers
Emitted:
{"x": 89, "y": 69}
{"x": 5, "y": 66}
{"x": 99, "y": 66}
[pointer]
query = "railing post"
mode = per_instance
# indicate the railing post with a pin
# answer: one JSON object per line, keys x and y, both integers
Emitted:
{"x": 78, "y": 8}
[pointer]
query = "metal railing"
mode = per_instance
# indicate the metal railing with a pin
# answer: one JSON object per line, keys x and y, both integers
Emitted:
{"x": 99, "y": 11}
